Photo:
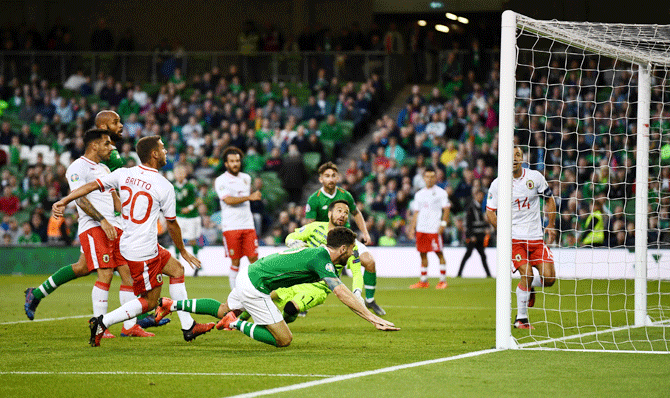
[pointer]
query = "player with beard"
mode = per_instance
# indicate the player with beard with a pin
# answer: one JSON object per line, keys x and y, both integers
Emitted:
{"x": 288, "y": 268}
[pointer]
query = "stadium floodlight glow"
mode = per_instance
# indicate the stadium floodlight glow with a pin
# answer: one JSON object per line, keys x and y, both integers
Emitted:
{"x": 442, "y": 28}
{"x": 421, "y": 22}
{"x": 451, "y": 16}
{"x": 463, "y": 20}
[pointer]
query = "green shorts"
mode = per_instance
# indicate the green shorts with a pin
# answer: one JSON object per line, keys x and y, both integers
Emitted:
{"x": 305, "y": 296}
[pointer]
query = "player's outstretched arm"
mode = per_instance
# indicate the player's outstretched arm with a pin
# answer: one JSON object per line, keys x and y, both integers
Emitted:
{"x": 175, "y": 234}
{"x": 58, "y": 207}
{"x": 347, "y": 298}
{"x": 92, "y": 212}
{"x": 492, "y": 217}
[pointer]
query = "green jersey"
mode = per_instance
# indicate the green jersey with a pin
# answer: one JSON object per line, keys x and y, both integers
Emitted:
{"x": 318, "y": 203}
{"x": 291, "y": 267}
{"x": 185, "y": 196}
{"x": 314, "y": 234}
{"x": 115, "y": 160}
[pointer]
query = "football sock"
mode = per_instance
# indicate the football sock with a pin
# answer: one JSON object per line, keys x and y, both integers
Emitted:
{"x": 537, "y": 281}
{"x": 522, "y": 297}
{"x": 99, "y": 296}
{"x": 424, "y": 274}
{"x": 63, "y": 275}
{"x": 128, "y": 310}
{"x": 126, "y": 295}
{"x": 370, "y": 282}
{"x": 203, "y": 306}
{"x": 177, "y": 293}
{"x": 256, "y": 332}
{"x": 232, "y": 276}
{"x": 443, "y": 272}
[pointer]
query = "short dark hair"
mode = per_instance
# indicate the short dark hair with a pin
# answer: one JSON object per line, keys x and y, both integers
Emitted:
{"x": 333, "y": 203}
{"x": 328, "y": 166}
{"x": 231, "y": 150}
{"x": 429, "y": 169}
{"x": 339, "y": 236}
{"x": 145, "y": 146}
{"x": 94, "y": 135}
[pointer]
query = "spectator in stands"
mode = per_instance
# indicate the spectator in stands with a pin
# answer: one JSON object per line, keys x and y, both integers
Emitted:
{"x": 27, "y": 236}
{"x": 293, "y": 173}
{"x": 101, "y": 38}
{"x": 9, "y": 202}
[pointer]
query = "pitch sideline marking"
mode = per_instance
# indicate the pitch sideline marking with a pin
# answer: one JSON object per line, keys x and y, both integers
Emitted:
{"x": 360, "y": 374}
{"x": 162, "y": 373}
{"x": 47, "y": 319}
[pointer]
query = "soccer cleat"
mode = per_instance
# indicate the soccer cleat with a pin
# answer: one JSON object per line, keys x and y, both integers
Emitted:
{"x": 108, "y": 335}
{"x": 375, "y": 308}
{"x": 523, "y": 324}
{"x": 97, "y": 330}
{"x": 531, "y": 300}
{"x": 442, "y": 285}
{"x": 224, "y": 323}
{"x": 163, "y": 309}
{"x": 135, "y": 331}
{"x": 150, "y": 321}
{"x": 31, "y": 303}
{"x": 420, "y": 285}
{"x": 196, "y": 330}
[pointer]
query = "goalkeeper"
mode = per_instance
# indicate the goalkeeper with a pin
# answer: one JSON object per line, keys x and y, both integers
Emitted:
{"x": 299, "y": 298}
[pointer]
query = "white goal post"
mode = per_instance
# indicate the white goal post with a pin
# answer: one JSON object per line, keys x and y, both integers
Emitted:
{"x": 578, "y": 312}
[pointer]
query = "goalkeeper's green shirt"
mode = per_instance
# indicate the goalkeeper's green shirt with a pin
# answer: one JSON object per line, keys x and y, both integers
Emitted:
{"x": 314, "y": 234}
{"x": 115, "y": 160}
{"x": 291, "y": 267}
{"x": 319, "y": 201}
{"x": 185, "y": 196}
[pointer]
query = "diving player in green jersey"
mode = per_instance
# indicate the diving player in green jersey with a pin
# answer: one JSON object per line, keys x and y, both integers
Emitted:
{"x": 288, "y": 268}
{"x": 300, "y": 298}
{"x": 317, "y": 210}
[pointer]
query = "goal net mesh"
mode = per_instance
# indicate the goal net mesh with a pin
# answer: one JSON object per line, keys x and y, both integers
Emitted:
{"x": 576, "y": 106}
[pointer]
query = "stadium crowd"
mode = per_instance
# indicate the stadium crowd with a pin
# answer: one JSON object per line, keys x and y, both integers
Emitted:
{"x": 287, "y": 129}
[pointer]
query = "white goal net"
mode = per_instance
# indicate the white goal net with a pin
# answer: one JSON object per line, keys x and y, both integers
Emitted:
{"x": 589, "y": 103}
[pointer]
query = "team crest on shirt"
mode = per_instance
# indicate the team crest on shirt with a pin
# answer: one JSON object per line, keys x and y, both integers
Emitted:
{"x": 74, "y": 177}
{"x": 232, "y": 252}
{"x": 530, "y": 184}
{"x": 330, "y": 267}
{"x": 490, "y": 195}
{"x": 307, "y": 208}
{"x": 517, "y": 257}
{"x": 159, "y": 278}
{"x": 325, "y": 207}
{"x": 105, "y": 258}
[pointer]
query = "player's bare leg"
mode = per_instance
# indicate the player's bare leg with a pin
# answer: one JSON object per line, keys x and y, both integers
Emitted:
{"x": 234, "y": 269}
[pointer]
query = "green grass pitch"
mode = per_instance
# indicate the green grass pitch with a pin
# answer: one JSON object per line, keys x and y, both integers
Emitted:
{"x": 50, "y": 357}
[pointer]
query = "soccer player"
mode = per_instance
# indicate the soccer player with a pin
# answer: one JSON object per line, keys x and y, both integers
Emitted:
{"x": 145, "y": 193}
{"x": 234, "y": 190}
{"x": 187, "y": 209}
{"x": 284, "y": 269}
{"x": 111, "y": 121}
{"x": 317, "y": 210}
{"x": 528, "y": 248}
{"x": 300, "y": 298}
{"x": 431, "y": 215}
{"x": 99, "y": 231}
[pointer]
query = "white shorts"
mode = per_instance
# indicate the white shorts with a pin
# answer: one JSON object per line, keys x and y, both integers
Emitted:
{"x": 361, "y": 247}
{"x": 258, "y": 304}
{"x": 191, "y": 228}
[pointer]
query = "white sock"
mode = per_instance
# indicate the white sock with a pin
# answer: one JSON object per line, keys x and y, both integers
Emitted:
{"x": 99, "y": 296}
{"x": 231, "y": 278}
{"x": 126, "y": 296}
{"x": 177, "y": 293}
{"x": 537, "y": 281}
{"x": 522, "y": 298}
{"x": 424, "y": 274}
{"x": 128, "y": 310}
{"x": 443, "y": 272}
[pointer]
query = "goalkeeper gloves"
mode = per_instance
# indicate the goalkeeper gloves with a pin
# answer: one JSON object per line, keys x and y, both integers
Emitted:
{"x": 296, "y": 244}
{"x": 357, "y": 293}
